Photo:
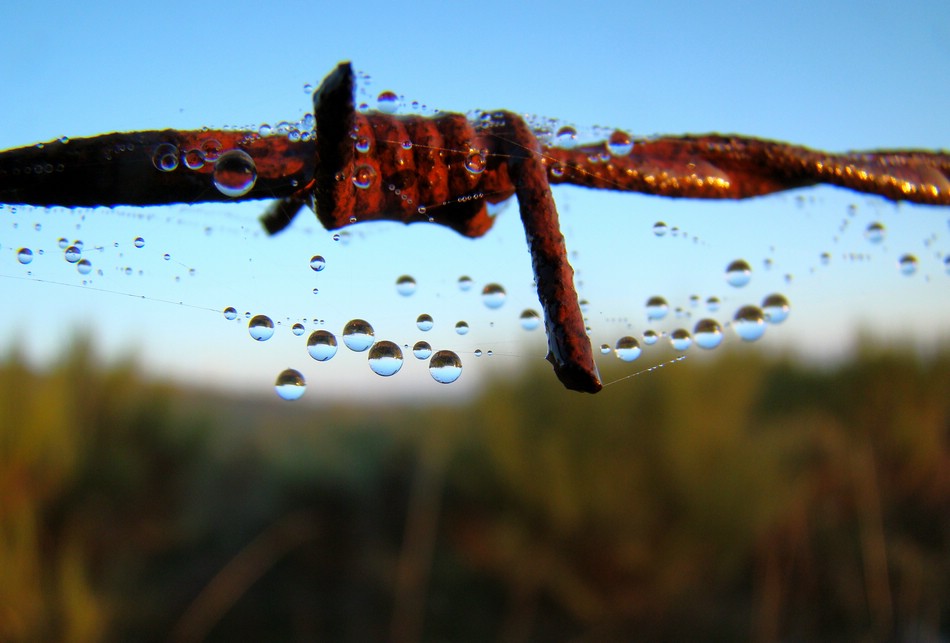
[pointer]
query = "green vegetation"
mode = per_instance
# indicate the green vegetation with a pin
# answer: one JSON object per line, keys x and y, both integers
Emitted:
{"x": 740, "y": 498}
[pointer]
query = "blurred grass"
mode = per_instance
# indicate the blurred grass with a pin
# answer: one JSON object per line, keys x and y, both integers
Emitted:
{"x": 738, "y": 498}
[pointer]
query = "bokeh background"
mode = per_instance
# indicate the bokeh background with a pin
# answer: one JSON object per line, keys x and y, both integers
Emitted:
{"x": 153, "y": 486}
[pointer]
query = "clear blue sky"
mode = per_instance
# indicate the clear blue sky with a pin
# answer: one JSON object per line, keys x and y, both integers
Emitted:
{"x": 834, "y": 75}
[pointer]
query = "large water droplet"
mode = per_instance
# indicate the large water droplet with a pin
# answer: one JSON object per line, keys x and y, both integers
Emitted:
{"x": 530, "y": 320}
{"x": 445, "y": 367}
{"x": 657, "y": 308}
{"x": 708, "y": 333}
{"x": 290, "y": 385}
{"x": 261, "y": 328}
{"x": 405, "y": 285}
{"x": 358, "y": 335}
{"x": 493, "y": 295}
{"x": 24, "y": 256}
{"x": 461, "y": 328}
{"x": 907, "y": 264}
{"x": 363, "y": 176}
{"x": 650, "y": 337}
{"x": 475, "y": 162}
{"x": 165, "y": 157}
{"x": 749, "y": 323}
{"x": 230, "y": 313}
{"x": 875, "y": 232}
{"x": 385, "y": 358}
{"x": 628, "y": 349}
{"x": 317, "y": 263}
{"x": 321, "y": 345}
{"x": 422, "y": 350}
{"x": 680, "y": 339}
{"x": 775, "y": 307}
{"x": 72, "y": 254}
{"x": 738, "y": 273}
{"x": 424, "y": 322}
{"x": 387, "y": 102}
{"x": 84, "y": 266}
{"x": 619, "y": 143}
{"x": 234, "y": 173}
{"x": 660, "y": 228}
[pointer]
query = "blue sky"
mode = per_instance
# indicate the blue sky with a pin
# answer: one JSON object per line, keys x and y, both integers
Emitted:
{"x": 833, "y": 75}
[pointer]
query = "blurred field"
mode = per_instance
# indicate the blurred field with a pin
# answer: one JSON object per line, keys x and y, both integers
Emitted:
{"x": 741, "y": 498}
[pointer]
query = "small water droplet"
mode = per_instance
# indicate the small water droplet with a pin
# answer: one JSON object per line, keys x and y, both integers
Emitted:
{"x": 708, "y": 333}
{"x": 385, "y": 358}
{"x": 264, "y": 130}
{"x": 422, "y": 350}
{"x": 738, "y": 273}
{"x": 619, "y": 143}
{"x": 407, "y": 144}
{"x": 362, "y": 144}
{"x": 166, "y": 257}
{"x": 63, "y": 242}
{"x": 424, "y": 322}
{"x": 321, "y": 345}
{"x": 605, "y": 349}
{"x": 358, "y": 335}
{"x": 363, "y": 176}
{"x": 139, "y": 242}
{"x": 405, "y": 285}
{"x": 461, "y": 328}
{"x": 261, "y": 328}
{"x": 628, "y": 349}
{"x": 72, "y": 254}
{"x": 297, "y": 329}
{"x": 493, "y": 296}
{"x": 657, "y": 308}
{"x": 749, "y": 323}
{"x": 660, "y": 228}
{"x": 475, "y": 162}
{"x": 290, "y": 385}
{"x": 234, "y": 173}
{"x": 907, "y": 264}
{"x": 317, "y": 263}
{"x": 387, "y": 102}
{"x": 875, "y": 232}
{"x": 776, "y": 308}
{"x": 650, "y": 337}
{"x": 24, "y": 256}
{"x": 465, "y": 283}
{"x": 194, "y": 159}
{"x": 84, "y": 266}
{"x": 680, "y": 339}
{"x": 530, "y": 319}
{"x": 712, "y": 304}
{"x": 566, "y": 137}
{"x": 165, "y": 157}
{"x": 478, "y": 352}
{"x": 445, "y": 367}
{"x": 230, "y": 313}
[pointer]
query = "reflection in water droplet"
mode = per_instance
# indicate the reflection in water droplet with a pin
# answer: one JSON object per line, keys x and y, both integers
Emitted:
{"x": 361, "y": 145}
{"x": 708, "y": 333}
{"x": 650, "y": 337}
{"x": 358, "y": 335}
{"x": 530, "y": 319}
{"x": 445, "y": 367}
{"x": 424, "y": 322}
{"x": 712, "y": 304}
{"x": 775, "y": 307}
{"x": 84, "y": 266}
{"x": 738, "y": 273}
{"x": 566, "y": 137}
{"x": 261, "y": 328}
{"x": 874, "y": 232}
{"x": 660, "y": 228}
{"x": 422, "y": 350}
{"x": 24, "y": 256}
{"x": 405, "y": 285}
{"x": 139, "y": 242}
{"x": 907, "y": 264}
{"x": 557, "y": 170}
{"x": 605, "y": 349}
{"x": 234, "y": 173}
{"x": 321, "y": 345}
{"x": 165, "y": 157}
{"x": 363, "y": 176}
{"x": 657, "y": 308}
{"x": 297, "y": 329}
{"x": 475, "y": 162}
{"x": 461, "y": 328}
{"x": 387, "y": 102}
{"x": 72, "y": 254}
{"x": 628, "y": 349}
{"x": 619, "y": 143}
{"x": 680, "y": 339}
{"x": 749, "y": 323}
{"x": 385, "y": 358}
{"x": 317, "y": 263}
{"x": 465, "y": 283}
{"x": 290, "y": 385}
{"x": 230, "y": 313}
{"x": 493, "y": 295}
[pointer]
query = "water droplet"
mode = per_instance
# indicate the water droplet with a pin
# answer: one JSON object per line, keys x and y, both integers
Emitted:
{"x": 680, "y": 339}
{"x": 72, "y": 254}
{"x": 407, "y": 144}
{"x": 424, "y": 322}
{"x": 557, "y": 170}
{"x": 475, "y": 162}
{"x": 749, "y": 323}
{"x": 907, "y": 264}
{"x": 493, "y": 296}
{"x": 387, "y": 102}
{"x": 708, "y": 333}
{"x": 290, "y": 385}
{"x": 62, "y": 243}
{"x": 358, "y": 335}
{"x": 264, "y": 130}
{"x": 712, "y": 304}
{"x": 234, "y": 173}
{"x": 650, "y": 337}
{"x": 362, "y": 144}
{"x": 166, "y": 257}
{"x": 619, "y": 143}
{"x": 297, "y": 329}
{"x": 24, "y": 256}
{"x": 825, "y": 258}
{"x": 194, "y": 159}
{"x": 605, "y": 349}
{"x": 165, "y": 157}
{"x": 385, "y": 358}
{"x": 628, "y": 349}
{"x": 530, "y": 320}
{"x": 465, "y": 283}
{"x": 84, "y": 266}
{"x": 405, "y": 285}
{"x": 445, "y": 367}
{"x": 738, "y": 273}
{"x": 363, "y": 176}
{"x": 566, "y": 137}
{"x": 461, "y": 328}
{"x": 261, "y": 328}
{"x": 139, "y": 242}
{"x": 874, "y": 232}
{"x": 317, "y": 263}
{"x": 321, "y": 345}
{"x": 775, "y": 307}
{"x": 657, "y": 308}
{"x": 211, "y": 149}
{"x": 660, "y": 228}
{"x": 230, "y": 313}
{"x": 422, "y": 350}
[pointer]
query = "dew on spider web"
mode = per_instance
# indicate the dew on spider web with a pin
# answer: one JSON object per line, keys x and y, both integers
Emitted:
{"x": 358, "y": 335}
{"x": 707, "y": 333}
{"x": 461, "y": 328}
{"x": 494, "y": 295}
{"x": 234, "y": 173}
{"x": 530, "y": 319}
{"x": 738, "y": 273}
{"x": 445, "y": 367}
{"x": 749, "y": 323}
{"x": 628, "y": 348}
{"x": 907, "y": 264}
{"x": 680, "y": 339}
{"x": 657, "y": 308}
{"x": 290, "y": 385}
{"x": 261, "y": 328}
{"x": 385, "y": 358}
{"x": 317, "y": 263}
{"x": 24, "y": 256}
{"x": 421, "y": 350}
{"x": 650, "y": 337}
{"x": 72, "y": 254}
{"x": 321, "y": 345}
{"x": 230, "y": 313}
{"x": 405, "y": 285}
{"x": 775, "y": 307}
{"x": 424, "y": 322}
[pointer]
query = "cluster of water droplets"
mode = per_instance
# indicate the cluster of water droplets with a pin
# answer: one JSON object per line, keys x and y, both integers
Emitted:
{"x": 233, "y": 174}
